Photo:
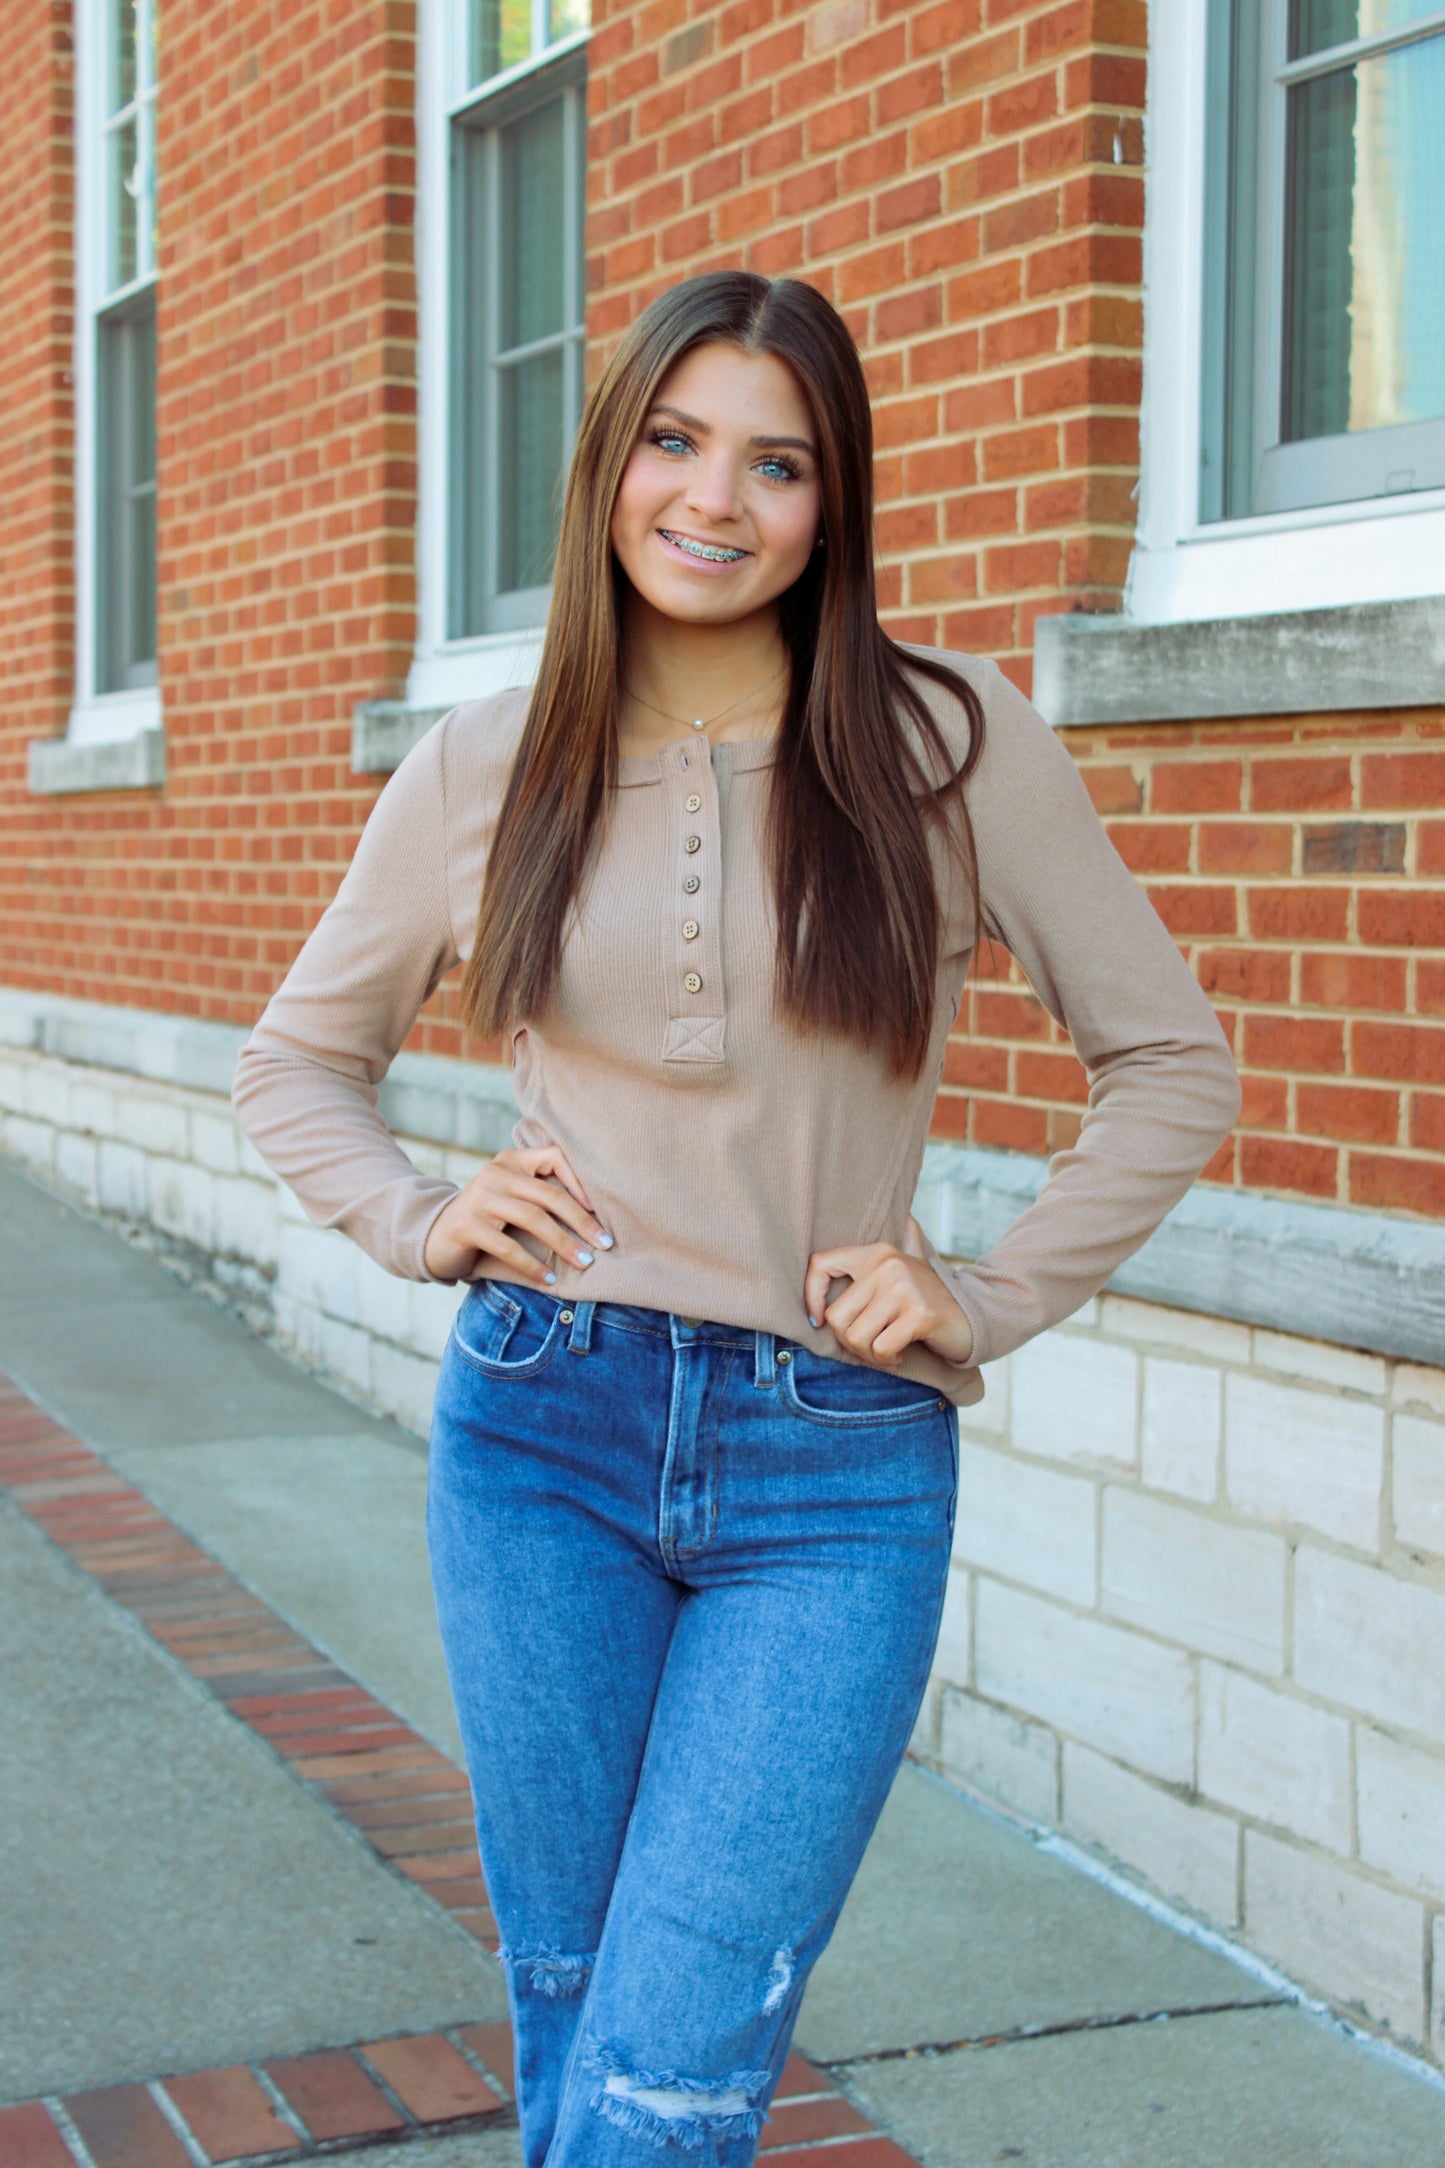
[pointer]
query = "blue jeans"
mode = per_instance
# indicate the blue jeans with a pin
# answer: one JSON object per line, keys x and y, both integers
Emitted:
{"x": 689, "y": 1579}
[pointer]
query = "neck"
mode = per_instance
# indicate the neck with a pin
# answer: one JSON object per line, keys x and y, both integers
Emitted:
{"x": 689, "y": 670}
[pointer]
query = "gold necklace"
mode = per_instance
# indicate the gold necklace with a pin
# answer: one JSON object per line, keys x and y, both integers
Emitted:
{"x": 698, "y": 722}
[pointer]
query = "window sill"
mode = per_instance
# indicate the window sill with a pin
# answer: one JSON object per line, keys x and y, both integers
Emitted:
{"x": 1105, "y": 669}
{"x": 383, "y": 732}
{"x": 59, "y": 766}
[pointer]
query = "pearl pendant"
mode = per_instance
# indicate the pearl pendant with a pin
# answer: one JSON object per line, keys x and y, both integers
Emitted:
{"x": 699, "y": 724}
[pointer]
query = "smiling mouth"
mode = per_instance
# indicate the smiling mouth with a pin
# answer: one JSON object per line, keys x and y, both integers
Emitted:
{"x": 714, "y": 553}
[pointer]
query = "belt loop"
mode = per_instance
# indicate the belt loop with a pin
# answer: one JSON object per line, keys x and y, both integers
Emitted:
{"x": 764, "y": 1372}
{"x": 579, "y": 1339}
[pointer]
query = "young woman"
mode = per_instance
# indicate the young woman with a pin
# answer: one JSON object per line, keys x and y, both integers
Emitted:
{"x": 717, "y": 878}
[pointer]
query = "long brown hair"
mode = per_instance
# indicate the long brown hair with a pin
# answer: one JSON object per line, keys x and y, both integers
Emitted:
{"x": 859, "y": 917}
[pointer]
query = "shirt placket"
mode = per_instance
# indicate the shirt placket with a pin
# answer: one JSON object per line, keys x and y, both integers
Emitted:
{"x": 692, "y": 932}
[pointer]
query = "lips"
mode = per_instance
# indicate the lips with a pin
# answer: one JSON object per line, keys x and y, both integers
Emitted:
{"x": 711, "y": 553}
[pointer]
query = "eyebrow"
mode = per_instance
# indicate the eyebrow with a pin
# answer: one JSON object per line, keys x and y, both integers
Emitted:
{"x": 801, "y": 444}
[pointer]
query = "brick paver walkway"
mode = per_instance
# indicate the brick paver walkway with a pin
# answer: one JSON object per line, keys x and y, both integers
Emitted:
{"x": 412, "y": 1806}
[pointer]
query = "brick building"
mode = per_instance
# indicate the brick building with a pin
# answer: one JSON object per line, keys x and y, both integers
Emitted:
{"x": 301, "y": 305}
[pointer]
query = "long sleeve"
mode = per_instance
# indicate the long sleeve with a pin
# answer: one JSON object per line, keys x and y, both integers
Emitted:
{"x": 305, "y": 1090}
{"x": 1163, "y": 1088}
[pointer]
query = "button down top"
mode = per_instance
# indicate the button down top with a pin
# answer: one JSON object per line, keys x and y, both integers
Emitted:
{"x": 719, "y": 1142}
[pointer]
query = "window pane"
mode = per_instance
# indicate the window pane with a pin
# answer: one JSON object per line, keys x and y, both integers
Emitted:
{"x": 120, "y": 185}
{"x": 530, "y": 450}
{"x": 122, "y": 54}
{"x": 1364, "y": 305}
{"x": 1316, "y": 25}
{"x": 533, "y": 223}
{"x": 500, "y": 34}
{"x": 126, "y": 526}
{"x": 570, "y": 15}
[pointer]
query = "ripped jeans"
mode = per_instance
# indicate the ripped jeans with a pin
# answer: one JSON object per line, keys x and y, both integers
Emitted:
{"x": 689, "y": 1579}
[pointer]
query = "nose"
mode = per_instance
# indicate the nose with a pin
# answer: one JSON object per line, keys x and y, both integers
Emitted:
{"x": 712, "y": 489}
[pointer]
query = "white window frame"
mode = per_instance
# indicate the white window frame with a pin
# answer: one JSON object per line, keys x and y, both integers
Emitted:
{"x": 96, "y": 718}
{"x": 444, "y": 670}
{"x": 1380, "y": 549}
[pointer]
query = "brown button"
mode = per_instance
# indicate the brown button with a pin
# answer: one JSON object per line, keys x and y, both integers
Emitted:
{"x": 692, "y": 843}
{"x": 689, "y": 929}
{"x": 693, "y": 802}
{"x": 693, "y": 983}
{"x": 691, "y": 885}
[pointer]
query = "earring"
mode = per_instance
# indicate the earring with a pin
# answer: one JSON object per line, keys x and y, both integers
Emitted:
{"x": 821, "y": 543}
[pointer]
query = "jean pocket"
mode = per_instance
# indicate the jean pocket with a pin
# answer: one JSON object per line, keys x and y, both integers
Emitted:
{"x": 827, "y": 1391}
{"x": 508, "y": 1331}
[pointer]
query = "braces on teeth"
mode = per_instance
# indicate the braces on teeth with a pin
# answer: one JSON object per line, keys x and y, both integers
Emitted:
{"x": 704, "y": 549}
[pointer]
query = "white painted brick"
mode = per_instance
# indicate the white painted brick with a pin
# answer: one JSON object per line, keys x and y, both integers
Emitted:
{"x": 404, "y": 1386}
{"x": 182, "y": 1201}
{"x": 427, "y": 1157}
{"x": 155, "y": 1120}
{"x": 1007, "y": 1759}
{"x": 1085, "y": 1318}
{"x": 75, "y": 1163}
{"x": 247, "y": 1223}
{"x": 1188, "y": 1852}
{"x": 1026, "y": 1523}
{"x": 1418, "y": 1482}
{"x": 455, "y": 1165}
{"x": 1336, "y": 1932}
{"x": 47, "y": 1093}
{"x": 249, "y": 1160}
{"x": 951, "y": 1656}
{"x": 319, "y": 1266}
{"x": 1437, "y": 1973}
{"x": 1179, "y": 1433}
{"x": 122, "y": 1179}
{"x": 92, "y": 1106}
{"x": 215, "y": 1141}
{"x": 431, "y": 1311}
{"x": 923, "y": 1740}
{"x": 32, "y": 1143}
{"x": 346, "y": 1353}
{"x": 298, "y": 1325}
{"x": 1306, "y": 1458}
{"x": 1370, "y": 1641}
{"x": 989, "y": 1417}
{"x": 383, "y": 1302}
{"x": 1401, "y": 1798}
{"x": 1193, "y": 1579}
{"x": 1132, "y": 1698}
{"x": 1075, "y": 1399}
{"x": 1151, "y": 1324}
{"x": 12, "y": 1086}
{"x": 1321, "y": 1361}
{"x": 1418, "y": 1385}
{"x": 1274, "y": 1757}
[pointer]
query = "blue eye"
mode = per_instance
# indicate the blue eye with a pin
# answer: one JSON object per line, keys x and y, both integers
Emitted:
{"x": 668, "y": 440}
{"x": 786, "y": 470}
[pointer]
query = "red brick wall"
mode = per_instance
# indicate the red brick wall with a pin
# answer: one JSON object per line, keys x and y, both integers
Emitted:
{"x": 946, "y": 173}
{"x": 1300, "y": 863}
{"x": 949, "y": 174}
{"x": 37, "y": 283}
{"x": 286, "y": 490}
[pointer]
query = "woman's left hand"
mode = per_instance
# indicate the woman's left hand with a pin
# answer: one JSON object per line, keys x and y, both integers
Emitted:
{"x": 895, "y": 1298}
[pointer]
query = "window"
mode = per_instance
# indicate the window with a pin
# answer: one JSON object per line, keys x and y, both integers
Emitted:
{"x": 1324, "y": 257}
{"x": 1293, "y": 417}
{"x": 122, "y": 326}
{"x": 517, "y": 190}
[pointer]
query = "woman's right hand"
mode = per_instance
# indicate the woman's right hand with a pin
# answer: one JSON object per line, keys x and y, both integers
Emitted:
{"x": 536, "y": 1191}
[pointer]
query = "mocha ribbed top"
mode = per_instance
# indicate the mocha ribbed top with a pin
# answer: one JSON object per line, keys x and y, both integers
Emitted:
{"x": 719, "y": 1144}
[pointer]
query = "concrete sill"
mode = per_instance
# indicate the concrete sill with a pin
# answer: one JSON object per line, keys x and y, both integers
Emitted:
{"x": 383, "y": 732}
{"x": 57, "y": 768}
{"x": 1105, "y": 669}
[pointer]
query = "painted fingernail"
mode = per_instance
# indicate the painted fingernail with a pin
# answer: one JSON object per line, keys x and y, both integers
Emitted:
{"x": 815, "y": 1322}
{"x": 604, "y": 1242}
{"x": 551, "y": 1279}
{"x": 584, "y": 1257}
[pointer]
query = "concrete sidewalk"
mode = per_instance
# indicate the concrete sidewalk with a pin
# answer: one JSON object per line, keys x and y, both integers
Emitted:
{"x": 178, "y": 1896}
